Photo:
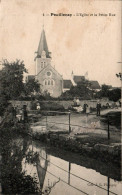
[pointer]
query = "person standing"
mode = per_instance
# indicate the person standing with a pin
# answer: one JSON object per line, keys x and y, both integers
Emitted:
{"x": 74, "y": 101}
{"x": 38, "y": 106}
{"x": 77, "y": 102}
{"x": 25, "y": 114}
{"x": 87, "y": 110}
{"x": 98, "y": 107}
{"x": 87, "y": 113}
{"x": 85, "y": 107}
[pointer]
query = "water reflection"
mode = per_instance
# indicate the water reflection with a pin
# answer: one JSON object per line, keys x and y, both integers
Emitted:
{"x": 30, "y": 168}
{"x": 75, "y": 179}
{"x": 13, "y": 179}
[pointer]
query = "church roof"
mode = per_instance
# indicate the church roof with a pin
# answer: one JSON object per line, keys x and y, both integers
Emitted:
{"x": 78, "y": 78}
{"x": 51, "y": 68}
{"x": 43, "y": 45}
{"x": 67, "y": 84}
{"x": 30, "y": 77}
{"x": 95, "y": 85}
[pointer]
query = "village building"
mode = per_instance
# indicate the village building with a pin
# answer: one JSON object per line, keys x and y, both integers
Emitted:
{"x": 75, "y": 79}
{"x": 51, "y": 81}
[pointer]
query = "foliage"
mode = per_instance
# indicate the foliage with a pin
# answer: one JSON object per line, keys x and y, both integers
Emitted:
{"x": 19, "y": 183}
{"x": 48, "y": 106}
{"x": 66, "y": 96}
{"x": 11, "y": 78}
{"x": 14, "y": 180}
{"x": 119, "y": 75}
{"x": 52, "y": 106}
{"x": 82, "y": 91}
{"x": 11, "y": 123}
{"x": 11, "y": 172}
{"x": 115, "y": 94}
{"x": 105, "y": 90}
{"x": 32, "y": 86}
{"x": 32, "y": 157}
{"x": 114, "y": 118}
{"x": 46, "y": 96}
{"x": 3, "y": 104}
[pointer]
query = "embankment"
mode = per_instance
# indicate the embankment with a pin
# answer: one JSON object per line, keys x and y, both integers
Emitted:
{"x": 104, "y": 152}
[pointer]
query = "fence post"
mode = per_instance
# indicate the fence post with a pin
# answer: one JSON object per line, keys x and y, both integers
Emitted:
{"x": 108, "y": 129}
{"x": 46, "y": 120}
{"x": 69, "y": 124}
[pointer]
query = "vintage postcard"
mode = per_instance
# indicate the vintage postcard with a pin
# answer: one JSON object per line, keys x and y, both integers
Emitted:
{"x": 60, "y": 97}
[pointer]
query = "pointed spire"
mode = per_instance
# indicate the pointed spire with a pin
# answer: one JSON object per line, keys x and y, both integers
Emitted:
{"x": 43, "y": 44}
{"x": 72, "y": 74}
{"x": 43, "y": 23}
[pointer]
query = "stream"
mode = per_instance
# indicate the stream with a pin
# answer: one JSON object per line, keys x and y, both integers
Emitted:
{"x": 54, "y": 171}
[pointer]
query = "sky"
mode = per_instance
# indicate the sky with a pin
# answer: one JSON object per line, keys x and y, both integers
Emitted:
{"x": 86, "y": 43}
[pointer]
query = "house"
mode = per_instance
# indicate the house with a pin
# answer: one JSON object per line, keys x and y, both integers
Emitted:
{"x": 94, "y": 85}
{"x": 67, "y": 85}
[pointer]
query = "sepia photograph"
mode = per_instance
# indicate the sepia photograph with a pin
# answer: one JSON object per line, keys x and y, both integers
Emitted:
{"x": 60, "y": 97}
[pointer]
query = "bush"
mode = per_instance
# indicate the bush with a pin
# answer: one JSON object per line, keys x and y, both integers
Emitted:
{"x": 51, "y": 106}
{"x": 114, "y": 118}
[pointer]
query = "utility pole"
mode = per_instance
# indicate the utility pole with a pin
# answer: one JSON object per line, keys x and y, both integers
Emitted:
{"x": 108, "y": 129}
{"x": 69, "y": 123}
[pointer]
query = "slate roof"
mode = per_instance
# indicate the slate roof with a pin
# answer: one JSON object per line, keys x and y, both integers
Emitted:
{"x": 110, "y": 86}
{"x": 29, "y": 77}
{"x": 67, "y": 84}
{"x": 43, "y": 45}
{"x": 78, "y": 78}
{"x": 48, "y": 67}
{"x": 95, "y": 85}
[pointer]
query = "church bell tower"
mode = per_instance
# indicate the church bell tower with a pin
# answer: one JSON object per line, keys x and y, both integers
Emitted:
{"x": 43, "y": 57}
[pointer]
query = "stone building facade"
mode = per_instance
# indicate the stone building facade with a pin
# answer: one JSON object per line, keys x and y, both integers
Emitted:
{"x": 50, "y": 80}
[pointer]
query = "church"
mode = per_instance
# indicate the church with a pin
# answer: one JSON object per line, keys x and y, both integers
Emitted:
{"x": 50, "y": 80}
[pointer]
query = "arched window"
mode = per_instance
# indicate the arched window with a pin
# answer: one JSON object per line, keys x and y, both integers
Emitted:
{"x": 44, "y": 64}
{"x": 45, "y": 82}
{"x": 51, "y": 82}
{"x": 48, "y": 82}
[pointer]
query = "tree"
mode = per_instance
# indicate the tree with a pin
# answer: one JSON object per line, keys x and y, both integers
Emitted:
{"x": 119, "y": 75}
{"x": 11, "y": 79}
{"x": 105, "y": 90}
{"x": 32, "y": 86}
{"x": 115, "y": 94}
{"x": 82, "y": 90}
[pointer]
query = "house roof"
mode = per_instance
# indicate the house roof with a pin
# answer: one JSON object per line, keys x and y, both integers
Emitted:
{"x": 78, "y": 78}
{"x": 51, "y": 68}
{"x": 29, "y": 77}
{"x": 95, "y": 85}
{"x": 67, "y": 84}
{"x": 110, "y": 86}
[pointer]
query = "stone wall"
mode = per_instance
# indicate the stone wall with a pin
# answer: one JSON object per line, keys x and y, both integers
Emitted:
{"x": 20, "y": 104}
{"x": 65, "y": 104}
{"x": 91, "y": 103}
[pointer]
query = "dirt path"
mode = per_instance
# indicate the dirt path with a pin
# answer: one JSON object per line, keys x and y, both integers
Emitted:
{"x": 78, "y": 122}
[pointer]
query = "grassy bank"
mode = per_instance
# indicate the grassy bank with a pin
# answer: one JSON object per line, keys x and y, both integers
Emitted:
{"x": 93, "y": 146}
